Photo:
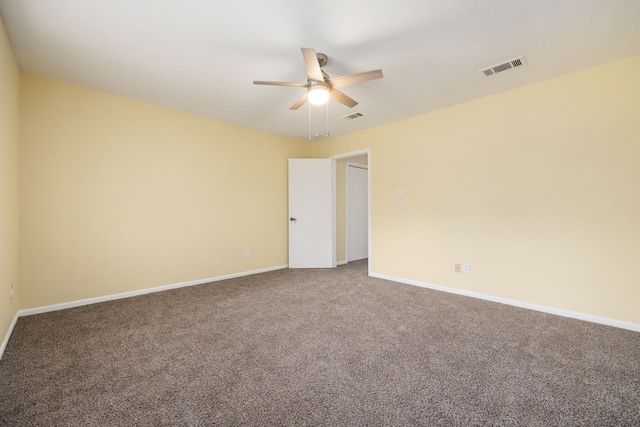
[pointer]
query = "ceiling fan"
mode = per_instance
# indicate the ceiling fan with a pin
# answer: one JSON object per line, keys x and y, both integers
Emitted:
{"x": 320, "y": 87}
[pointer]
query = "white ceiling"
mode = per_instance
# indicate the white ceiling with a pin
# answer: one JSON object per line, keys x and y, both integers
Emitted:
{"x": 202, "y": 56}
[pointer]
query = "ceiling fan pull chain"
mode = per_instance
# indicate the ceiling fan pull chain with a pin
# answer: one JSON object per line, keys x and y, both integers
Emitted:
{"x": 327, "y": 119}
{"x": 309, "y": 122}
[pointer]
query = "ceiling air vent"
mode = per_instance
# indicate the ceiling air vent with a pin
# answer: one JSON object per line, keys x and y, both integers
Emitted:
{"x": 498, "y": 68}
{"x": 352, "y": 116}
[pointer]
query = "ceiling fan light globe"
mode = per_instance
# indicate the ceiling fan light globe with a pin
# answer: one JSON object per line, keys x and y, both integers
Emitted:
{"x": 318, "y": 96}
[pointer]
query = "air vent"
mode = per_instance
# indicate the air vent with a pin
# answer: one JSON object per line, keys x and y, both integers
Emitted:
{"x": 352, "y": 116}
{"x": 498, "y": 68}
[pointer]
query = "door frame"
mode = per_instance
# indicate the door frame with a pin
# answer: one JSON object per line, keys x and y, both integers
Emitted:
{"x": 334, "y": 160}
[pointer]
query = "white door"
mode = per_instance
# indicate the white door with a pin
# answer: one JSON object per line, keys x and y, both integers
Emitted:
{"x": 357, "y": 213}
{"x": 311, "y": 213}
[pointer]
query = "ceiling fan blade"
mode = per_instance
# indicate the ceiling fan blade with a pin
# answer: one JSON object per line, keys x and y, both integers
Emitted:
{"x": 255, "y": 82}
{"x": 336, "y": 95}
{"x": 311, "y": 63}
{"x": 299, "y": 102}
{"x": 352, "y": 79}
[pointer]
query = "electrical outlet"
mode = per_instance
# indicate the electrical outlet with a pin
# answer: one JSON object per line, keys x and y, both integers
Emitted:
{"x": 12, "y": 292}
{"x": 247, "y": 253}
{"x": 458, "y": 268}
{"x": 466, "y": 269}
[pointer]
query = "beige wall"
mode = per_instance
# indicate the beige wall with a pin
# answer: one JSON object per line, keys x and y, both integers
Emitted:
{"x": 118, "y": 195}
{"x": 537, "y": 188}
{"x": 9, "y": 89}
{"x": 341, "y": 204}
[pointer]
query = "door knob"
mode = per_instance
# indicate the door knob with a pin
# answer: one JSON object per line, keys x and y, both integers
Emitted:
{"x": 293, "y": 219}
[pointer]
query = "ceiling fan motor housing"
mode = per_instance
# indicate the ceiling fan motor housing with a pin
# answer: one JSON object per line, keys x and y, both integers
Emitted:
{"x": 322, "y": 59}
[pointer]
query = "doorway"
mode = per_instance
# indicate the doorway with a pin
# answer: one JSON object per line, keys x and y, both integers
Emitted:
{"x": 357, "y": 212}
{"x": 337, "y": 231}
{"x": 343, "y": 229}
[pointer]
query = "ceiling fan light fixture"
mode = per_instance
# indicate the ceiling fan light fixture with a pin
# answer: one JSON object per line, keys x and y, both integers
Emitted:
{"x": 318, "y": 94}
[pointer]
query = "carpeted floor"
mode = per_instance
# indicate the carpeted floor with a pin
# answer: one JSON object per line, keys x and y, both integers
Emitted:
{"x": 316, "y": 348}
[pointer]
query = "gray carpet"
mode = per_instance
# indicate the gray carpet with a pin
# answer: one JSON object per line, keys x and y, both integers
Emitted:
{"x": 316, "y": 348}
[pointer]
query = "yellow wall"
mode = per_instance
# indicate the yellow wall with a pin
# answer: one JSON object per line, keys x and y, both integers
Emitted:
{"x": 118, "y": 195}
{"x": 9, "y": 89}
{"x": 537, "y": 188}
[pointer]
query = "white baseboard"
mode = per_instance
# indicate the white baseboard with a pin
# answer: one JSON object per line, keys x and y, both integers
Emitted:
{"x": 545, "y": 309}
{"x": 342, "y": 262}
{"x": 8, "y": 335}
{"x": 536, "y": 307}
{"x": 78, "y": 303}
